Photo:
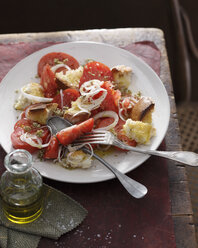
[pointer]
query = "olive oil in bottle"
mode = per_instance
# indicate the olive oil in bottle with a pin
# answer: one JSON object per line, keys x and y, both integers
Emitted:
{"x": 21, "y": 188}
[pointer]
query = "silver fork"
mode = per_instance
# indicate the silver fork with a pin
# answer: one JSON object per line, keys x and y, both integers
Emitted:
{"x": 107, "y": 138}
{"x": 134, "y": 188}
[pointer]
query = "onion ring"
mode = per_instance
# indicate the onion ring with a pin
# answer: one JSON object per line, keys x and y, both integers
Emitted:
{"x": 110, "y": 114}
{"x": 35, "y": 98}
{"x": 55, "y": 67}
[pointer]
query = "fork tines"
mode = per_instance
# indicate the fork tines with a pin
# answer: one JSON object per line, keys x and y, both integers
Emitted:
{"x": 92, "y": 137}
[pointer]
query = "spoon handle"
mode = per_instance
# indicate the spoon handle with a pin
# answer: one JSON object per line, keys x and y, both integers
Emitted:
{"x": 134, "y": 188}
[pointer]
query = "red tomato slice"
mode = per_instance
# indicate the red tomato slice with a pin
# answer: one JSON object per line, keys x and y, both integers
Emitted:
{"x": 29, "y": 126}
{"x": 48, "y": 82}
{"x": 68, "y": 95}
{"x": 126, "y": 106}
{"x": 24, "y": 124}
{"x": 19, "y": 144}
{"x": 111, "y": 100}
{"x": 51, "y": 58}
{"x": 68, "y": 135}
{"x": 52, "y": 150}
{"x": 96, "y": 70}
{"x": 103, "y": 122}
{"x": 45, "y": 136}
{"x": 126, "y": 102}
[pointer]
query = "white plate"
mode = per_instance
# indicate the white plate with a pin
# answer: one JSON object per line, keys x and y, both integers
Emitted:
{"x": 144, "y": 80}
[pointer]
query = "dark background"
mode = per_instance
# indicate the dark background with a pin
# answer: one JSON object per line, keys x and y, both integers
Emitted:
{"x": 61, "y": 15}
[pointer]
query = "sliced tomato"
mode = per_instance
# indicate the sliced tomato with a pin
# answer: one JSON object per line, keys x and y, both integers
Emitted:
{"x": 52, "y": 150}
{"x": 17, "y": 143}
{"x": 126, "y": 102}
{"x": 45, "y": 134}
{"x": 68, "y": 135}
{"x": 96, "y": 70}
{"x": 111, "y": 100}
{"x": 48, "y": 82}
{"x": 86, "y": 126}
{"x": 29, "y": 126}
{"x": 103, "y": 122}
{"x": 52, "y": 58}
{"x": 68, "y": 96}
{"x": 126, "y": 105}
{"x": 23, "y": 126}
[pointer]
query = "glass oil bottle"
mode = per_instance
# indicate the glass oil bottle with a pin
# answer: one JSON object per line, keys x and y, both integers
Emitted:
{"x": 21, "y": 188}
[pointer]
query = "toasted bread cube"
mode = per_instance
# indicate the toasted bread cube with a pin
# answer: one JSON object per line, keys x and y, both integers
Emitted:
{"x": 71, "y": 78}
{"x": 41, "y": 112}
{"x": 122, "y": 76}
{"x": 142, "y": 110}
{"x": 75, "y": 114}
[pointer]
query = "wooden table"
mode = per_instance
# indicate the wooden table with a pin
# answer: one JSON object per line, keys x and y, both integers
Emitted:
{"x": 181, "y": 211}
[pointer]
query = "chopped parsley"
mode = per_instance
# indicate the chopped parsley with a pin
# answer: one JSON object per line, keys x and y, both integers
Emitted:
{"x": 57, "y": 61}
{"x": 39, "y": 133}
{"x": 36, "y": 124}
{"x": 91, "y": 73}
{"x": 125, "y": 91}
{"x": 27, "y": 128}
{"x": 58, "y": 112}
{"x": 41, "y": 154}
{"x": 65, "y": 60}
{"x": 138, "y": 94}
{"x": 87, "y": 61}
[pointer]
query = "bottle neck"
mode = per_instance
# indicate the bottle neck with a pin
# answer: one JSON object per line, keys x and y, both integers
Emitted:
{"x": 25, "y": 174}
{"x": 18, "y": 162}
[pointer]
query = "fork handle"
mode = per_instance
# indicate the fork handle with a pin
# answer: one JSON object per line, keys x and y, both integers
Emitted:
{"x": 134, "y": 188}
{"x": 185, "y": 157}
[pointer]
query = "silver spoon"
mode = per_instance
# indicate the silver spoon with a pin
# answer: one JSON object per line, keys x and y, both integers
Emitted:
{"x": 134, "y": 188}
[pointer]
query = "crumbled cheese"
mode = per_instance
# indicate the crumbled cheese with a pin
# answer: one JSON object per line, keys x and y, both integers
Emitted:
{"x": 21, "y": 103}
{"x": 34, "y": 89}
{"x": 78, "y": 159}
{"x": 139, "y": 131}
{"x": 74, "y": 108}
{"x": 71, "y": 78}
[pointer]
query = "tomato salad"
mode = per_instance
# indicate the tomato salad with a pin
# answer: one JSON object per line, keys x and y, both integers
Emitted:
{"x": 91, "y": 96}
